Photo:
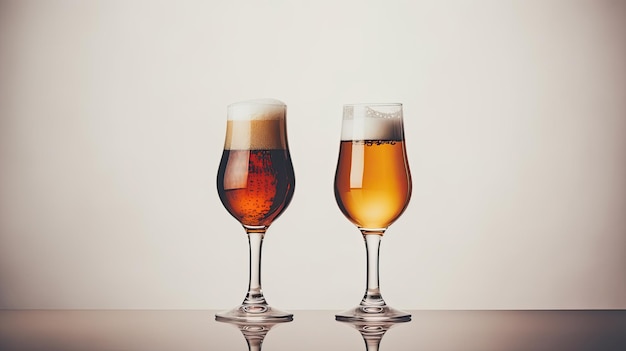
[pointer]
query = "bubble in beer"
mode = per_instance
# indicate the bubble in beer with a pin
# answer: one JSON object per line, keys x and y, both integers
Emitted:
{"x": 256, "y": 125}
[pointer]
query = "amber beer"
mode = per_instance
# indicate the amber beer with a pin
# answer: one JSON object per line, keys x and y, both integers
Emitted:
{"x": 372, "y": 186}
{"x": 255, "y": 179}
{"x": 372, "y": 180}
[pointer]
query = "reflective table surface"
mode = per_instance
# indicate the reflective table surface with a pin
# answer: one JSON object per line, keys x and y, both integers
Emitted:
{"x": 52, "y": 330}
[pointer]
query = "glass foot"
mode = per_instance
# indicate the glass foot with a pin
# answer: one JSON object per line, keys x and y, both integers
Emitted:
{"x": 255, "y": 313}
{"x": 373, "y": 314}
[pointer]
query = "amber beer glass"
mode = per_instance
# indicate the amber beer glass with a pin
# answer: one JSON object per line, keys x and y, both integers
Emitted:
{"x": 372, "y": 189}
{"x": 255, "y": 183}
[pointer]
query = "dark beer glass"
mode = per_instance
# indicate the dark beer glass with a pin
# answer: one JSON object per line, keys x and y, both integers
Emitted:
{"x": 255, "y": 183}
{"x": 372, "y": 189}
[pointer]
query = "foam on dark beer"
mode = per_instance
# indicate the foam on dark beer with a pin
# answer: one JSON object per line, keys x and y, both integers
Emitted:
{"x": 256, "y": 125}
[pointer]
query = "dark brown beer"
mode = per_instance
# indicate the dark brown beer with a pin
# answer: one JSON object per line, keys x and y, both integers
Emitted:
{"x": 372, "y": 182}
{"x": 255, "y": 186}
{"x": 255, "y": 179}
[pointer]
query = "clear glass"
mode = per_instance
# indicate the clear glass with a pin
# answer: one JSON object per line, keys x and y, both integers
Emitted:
{"x": 372, "y": 189}
{"x": 255, "y": 183}
{"x": 253, "y": 332}
{"x": 372, "y": 332}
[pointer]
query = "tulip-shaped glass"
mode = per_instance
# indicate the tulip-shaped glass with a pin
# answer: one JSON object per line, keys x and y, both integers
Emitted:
{"x": 372, "y": 189}
{"x": 255, "y": 183}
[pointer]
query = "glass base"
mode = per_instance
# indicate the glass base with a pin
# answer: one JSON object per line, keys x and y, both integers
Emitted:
{"x": 256, "y": 314}
{"x": 373, "y": 314}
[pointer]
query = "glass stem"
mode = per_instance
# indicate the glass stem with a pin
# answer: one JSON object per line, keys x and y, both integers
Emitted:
{"x": 255, "y": 293}
{"x": 372, "y": 344}
{"x": 372, "y": 246}
{"x": 254, "y": 344}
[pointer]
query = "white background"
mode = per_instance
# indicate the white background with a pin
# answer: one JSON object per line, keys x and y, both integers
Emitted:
{"x": 112, "y": 121}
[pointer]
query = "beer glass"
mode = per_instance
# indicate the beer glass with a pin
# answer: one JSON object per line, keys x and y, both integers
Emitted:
{"x": 372, "y": 189}
{"x": 255, "y": 182}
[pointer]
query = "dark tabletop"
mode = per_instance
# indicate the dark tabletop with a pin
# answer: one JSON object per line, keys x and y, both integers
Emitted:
{"x": 52, "y": 330}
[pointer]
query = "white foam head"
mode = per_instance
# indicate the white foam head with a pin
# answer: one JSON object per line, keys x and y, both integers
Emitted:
{"x": 372, "y": 122}
{"x": 259, "y": 109}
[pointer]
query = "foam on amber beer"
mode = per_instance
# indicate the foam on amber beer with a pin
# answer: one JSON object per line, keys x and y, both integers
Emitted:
{"x": 369, "y": 122}
{"x": 256, "y": 125}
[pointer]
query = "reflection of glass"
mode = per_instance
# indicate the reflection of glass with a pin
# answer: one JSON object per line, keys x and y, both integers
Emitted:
{"x": 253, "y": 332}
{"x": 372, "y": 332}
{"x": 255, "y": 183}
{"x": 372, "y": 189}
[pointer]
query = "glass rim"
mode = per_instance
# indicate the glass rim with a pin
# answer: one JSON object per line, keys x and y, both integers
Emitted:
{"x": 258, "y": 102}
{"x": 374, "y": 104}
